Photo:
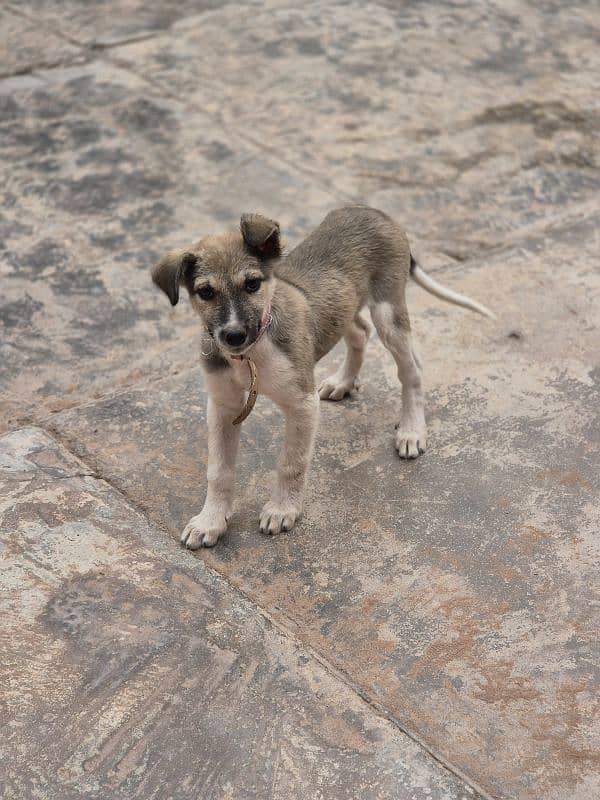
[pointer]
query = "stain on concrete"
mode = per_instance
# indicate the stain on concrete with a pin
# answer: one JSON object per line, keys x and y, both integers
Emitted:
{"x": 19, "y": 313}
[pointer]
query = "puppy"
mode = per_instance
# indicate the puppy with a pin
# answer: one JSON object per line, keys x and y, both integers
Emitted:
{"x": 282, "y": 313}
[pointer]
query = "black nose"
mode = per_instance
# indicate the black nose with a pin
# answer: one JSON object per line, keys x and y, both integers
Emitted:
{"x": 235, "y": 338}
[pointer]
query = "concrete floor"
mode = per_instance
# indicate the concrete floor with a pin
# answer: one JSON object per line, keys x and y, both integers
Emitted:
{"x": 430, "y": 629}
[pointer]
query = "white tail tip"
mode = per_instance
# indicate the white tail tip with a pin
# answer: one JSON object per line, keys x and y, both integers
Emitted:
{"x": 433, "y": 287}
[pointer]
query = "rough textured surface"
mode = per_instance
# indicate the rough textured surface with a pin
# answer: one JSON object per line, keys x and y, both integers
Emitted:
{"x": 457, "y": 595}
{"x": 128, "y": 670}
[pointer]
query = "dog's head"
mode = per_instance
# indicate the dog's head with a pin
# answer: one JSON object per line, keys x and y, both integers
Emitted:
{"x": 228, "y": 278}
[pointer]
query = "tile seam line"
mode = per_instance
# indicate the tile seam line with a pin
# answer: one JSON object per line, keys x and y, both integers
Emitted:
{"x": 280, "y": 624}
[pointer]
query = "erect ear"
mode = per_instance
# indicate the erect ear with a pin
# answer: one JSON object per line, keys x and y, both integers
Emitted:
{"x": 261, "y": 235}
{"x": 170, "y": 272}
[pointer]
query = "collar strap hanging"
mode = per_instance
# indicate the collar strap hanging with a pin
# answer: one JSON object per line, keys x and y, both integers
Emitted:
{"x": 252, "y": 390}
{"x": 252, "y": 394}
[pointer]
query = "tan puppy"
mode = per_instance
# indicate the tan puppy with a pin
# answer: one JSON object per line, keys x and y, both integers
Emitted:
{"x": 285, "y": 312}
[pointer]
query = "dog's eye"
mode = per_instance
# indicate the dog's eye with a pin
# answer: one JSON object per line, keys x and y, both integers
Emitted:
{"x": 206, "y": 293}
{"x": 252, "y": 285}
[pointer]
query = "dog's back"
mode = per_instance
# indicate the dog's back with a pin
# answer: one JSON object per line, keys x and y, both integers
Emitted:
{"x": 356, "y": 254}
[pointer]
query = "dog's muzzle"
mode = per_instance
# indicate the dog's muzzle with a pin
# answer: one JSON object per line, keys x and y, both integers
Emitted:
{"x": 233, "y": 337}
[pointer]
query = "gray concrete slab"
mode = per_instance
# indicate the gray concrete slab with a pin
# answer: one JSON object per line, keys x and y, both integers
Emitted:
{"x": 456, "y": 591}
{"x": 130, "y": 671}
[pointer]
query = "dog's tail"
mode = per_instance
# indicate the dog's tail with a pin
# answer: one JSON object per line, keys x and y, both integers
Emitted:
{"x": 433, "y": 287}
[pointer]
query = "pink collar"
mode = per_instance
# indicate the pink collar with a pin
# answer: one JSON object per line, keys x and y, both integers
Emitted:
{"x": 264, "y": 324}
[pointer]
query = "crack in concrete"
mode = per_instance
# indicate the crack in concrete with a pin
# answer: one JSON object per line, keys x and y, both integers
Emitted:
{"x": 85, "y": 56}
{"x": 48, "y": 479}
{"x": 88, "y": 50}
{"x": 47, "y": 25}
{"x": 32, "y": 69}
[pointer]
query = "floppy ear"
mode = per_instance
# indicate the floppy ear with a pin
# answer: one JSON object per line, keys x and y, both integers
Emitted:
{"x": 170, "y": 272}
{"x": 261, "y": 235}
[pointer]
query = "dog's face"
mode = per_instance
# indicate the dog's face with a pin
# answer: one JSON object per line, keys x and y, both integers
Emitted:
{"x": 228, "y": 278}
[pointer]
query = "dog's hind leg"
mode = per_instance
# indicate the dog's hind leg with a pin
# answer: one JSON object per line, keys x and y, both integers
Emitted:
{"x": 338, "y": 385}
{"x": 392, "y": 324}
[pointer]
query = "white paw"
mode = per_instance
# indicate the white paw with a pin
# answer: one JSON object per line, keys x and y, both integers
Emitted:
{"x": 277, "y": 517}
{"x": 336, "y": 388}
{"x": 204, "y": 529}
{"x": 410, "y": 443}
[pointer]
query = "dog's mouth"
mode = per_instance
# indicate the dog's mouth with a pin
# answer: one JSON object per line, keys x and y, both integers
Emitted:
{"x": 239, "y": 351}
{"x": 235, "y": 351}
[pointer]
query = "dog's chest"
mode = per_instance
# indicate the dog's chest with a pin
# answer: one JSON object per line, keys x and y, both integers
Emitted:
{"x": 274, "y": 371}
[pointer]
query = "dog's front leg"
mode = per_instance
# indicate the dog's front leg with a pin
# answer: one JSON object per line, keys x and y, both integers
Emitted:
{"x": 285, "y": 507}
{"x": 204, "y": 529}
